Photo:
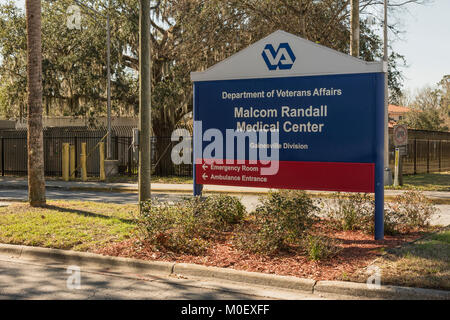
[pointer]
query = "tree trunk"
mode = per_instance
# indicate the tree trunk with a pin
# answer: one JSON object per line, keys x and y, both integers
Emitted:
{"x": 354, "y": 25}
{"x": 163, "y": 148}
{"x": 36, "y": 181}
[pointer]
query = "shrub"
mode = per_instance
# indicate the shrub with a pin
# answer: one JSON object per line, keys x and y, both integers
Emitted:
{"x": 320, "y": 247}
{"x": 352, "y": 212}
{"x": 219, "y": 211}
{"x": 409, "y": 211}
{"x": 173, "y": 227}
{"x": 280, "y": 220}
{"x": 185, "y": 227}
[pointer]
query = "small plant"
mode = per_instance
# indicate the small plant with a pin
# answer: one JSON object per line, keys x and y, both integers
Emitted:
{"x": 279, "y": 221}
{"x": 352, "y": 212}
{"x": 320, "y": 247}
{"x": 186, "y": 226}
{"x": 173, "y": 227}
{"x": 409, "y": 211}
{"x": 219, "y": 211}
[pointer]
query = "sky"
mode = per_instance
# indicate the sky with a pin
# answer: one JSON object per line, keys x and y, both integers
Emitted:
{"x": 425, "y": 43}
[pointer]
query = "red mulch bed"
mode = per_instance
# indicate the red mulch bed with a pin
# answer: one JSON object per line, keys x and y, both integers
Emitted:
{"x": 358, "y": 251}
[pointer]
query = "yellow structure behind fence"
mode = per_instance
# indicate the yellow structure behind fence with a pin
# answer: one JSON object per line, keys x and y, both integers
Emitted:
{"x": 69, "y": 168}
{"x": 101, "y": 147}
{"x": 65, "y": 161}
{"x": 83, "y": 157}
{"x": 72, "y": 162}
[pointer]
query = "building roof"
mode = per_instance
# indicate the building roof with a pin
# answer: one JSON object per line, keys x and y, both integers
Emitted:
{"x": 398, "y": 109}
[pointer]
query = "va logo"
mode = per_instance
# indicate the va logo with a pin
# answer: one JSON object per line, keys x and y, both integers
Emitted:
{"x": 282, "y": 59}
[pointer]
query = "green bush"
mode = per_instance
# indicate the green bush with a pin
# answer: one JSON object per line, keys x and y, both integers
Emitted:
{"x": 220, "y": 212}
{"x": 409, "y": 211}
{"x": 320, "y": 247}
{"x": 351, "y": 212}
{"x": 173, "y": 227}
{"x": 186, "y": 227}
{"x": 279, "y": 221}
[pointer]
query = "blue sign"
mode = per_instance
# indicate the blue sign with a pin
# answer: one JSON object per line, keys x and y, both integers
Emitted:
{"x": 321, "y": 115}
{"x": 318, "y": 118}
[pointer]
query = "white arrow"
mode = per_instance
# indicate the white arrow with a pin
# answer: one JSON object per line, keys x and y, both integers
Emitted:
{"x": 204, "y": 176}
{"x": 204, "y": 166}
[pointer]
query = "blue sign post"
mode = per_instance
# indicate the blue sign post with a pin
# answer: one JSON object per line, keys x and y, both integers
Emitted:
{"x": 317, "y": 115}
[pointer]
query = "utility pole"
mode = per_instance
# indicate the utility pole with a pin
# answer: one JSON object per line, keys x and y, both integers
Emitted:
{"x": 108, "y": 71}
{"x": 354, "y": 24}
{"x": 144, "y": 101}
{"x": 387, "y": 171}
{"x": 108, "y": 108}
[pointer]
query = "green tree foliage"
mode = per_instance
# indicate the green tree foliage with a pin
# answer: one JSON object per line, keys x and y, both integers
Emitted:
{"x": 431, "y": 108}
{"x": 13, "y": 71}
{"x": 186, "y": 36}
{"x": 74, "y": 71}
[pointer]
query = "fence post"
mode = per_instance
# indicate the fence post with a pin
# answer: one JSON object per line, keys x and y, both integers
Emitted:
{"x": 83, "y": 162}
{"x": 440, "y": 154}
{"x": 3, "y": 157}
{"x": 72, "y": 161}
{"x": 130, "y": 157}
{"x": 101, "y": 147}
{"x": 65, "y": 161}
{"x": 428, "y": 156}
{"x": 116, "y": 153}
{"x": 415, "y": 155}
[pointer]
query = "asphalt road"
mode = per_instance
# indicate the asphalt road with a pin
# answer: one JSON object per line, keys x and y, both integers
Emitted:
{"x": 22, "y": 279}
{"x": 250, "y": 201}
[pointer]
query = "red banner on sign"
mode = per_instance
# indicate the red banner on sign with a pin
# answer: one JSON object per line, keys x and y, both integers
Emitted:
{"x": 324, "y": 176}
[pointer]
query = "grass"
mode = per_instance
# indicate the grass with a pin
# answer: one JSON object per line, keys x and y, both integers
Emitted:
{"x": 425, "y": 182}
{"x": 73, "y": 225}
{"x": 425, "y": 263}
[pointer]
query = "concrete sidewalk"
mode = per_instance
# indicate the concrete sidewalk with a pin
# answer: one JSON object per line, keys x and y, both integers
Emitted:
{"x": 22, "y": 183}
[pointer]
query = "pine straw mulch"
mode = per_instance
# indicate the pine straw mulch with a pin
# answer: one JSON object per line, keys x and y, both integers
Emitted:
{"x": 358, "y": 250}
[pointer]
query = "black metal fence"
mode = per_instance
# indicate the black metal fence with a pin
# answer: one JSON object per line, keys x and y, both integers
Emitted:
{"x": 424, "y": 156}
{"x": 13, "y": 152}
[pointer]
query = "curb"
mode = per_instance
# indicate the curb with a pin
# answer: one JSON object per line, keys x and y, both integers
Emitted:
{"x": 184, "y": 269}
{"x": 285, "y": 282}
{"x": 384, "y": 292}
{"x": 85, "y": 258}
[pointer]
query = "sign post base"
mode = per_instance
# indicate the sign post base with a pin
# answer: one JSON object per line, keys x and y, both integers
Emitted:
{"x": 388, "y": 177}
